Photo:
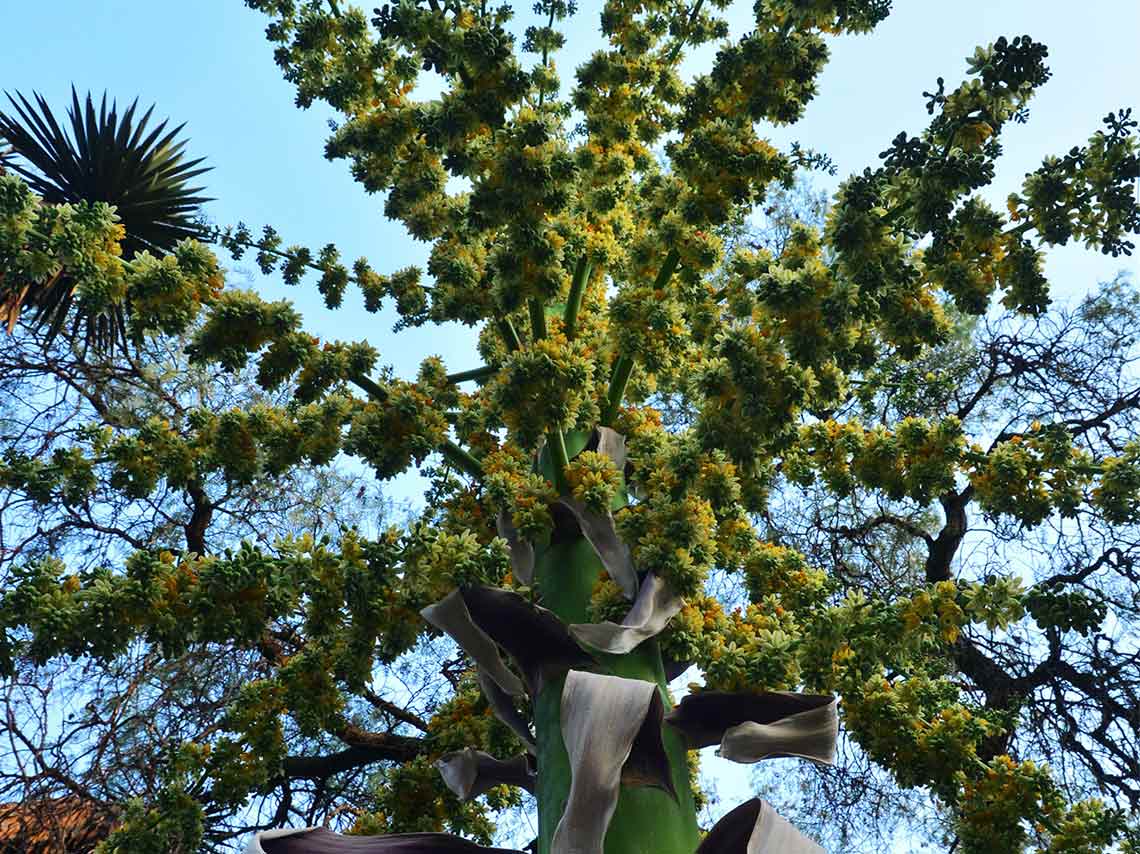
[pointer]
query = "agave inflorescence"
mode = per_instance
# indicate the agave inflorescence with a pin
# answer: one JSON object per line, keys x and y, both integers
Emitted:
{"x": 616, "y": 731}
{"x": 107, "y": 158}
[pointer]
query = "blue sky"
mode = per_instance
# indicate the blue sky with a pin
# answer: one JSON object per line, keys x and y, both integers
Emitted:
{"x": 206, "y": 63}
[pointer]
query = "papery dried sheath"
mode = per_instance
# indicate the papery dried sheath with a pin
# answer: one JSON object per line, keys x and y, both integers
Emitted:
{"x": 469, "y": 772}
{"x": 318, "y": 840}
{"x": 603, "y": 718}
{"x": 809, "y": 734}
{"x": 450, "y": 615}
{"x": 755, "y": 828}
{"x": 611, "y": 443}
{"x": 654, "y": 607}
{"x": 482, "y": 619}
{"x": 749, "y": 727}
{"x": 600, "y": 531}
{"x": 521, "y": 549}
{"x": 534, "y": 637}
{"x": 505, "y": 710}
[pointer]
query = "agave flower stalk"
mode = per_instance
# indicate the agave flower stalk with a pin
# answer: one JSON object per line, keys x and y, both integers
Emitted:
{"x": 607, "y": 763}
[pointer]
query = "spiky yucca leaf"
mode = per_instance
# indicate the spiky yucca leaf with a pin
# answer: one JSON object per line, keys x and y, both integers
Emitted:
{"x": 106, "y": 157}
{"x": 109, "y": 159}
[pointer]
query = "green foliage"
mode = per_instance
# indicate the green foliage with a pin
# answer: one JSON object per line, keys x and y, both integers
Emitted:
{"x": 1066, "y": 610}
{"x": 173, "y": 824}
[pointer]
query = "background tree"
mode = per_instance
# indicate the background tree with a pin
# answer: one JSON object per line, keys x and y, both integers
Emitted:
{"x": 999, "y": 375}
{"x": 119, "y": 713}
{"x": 82, "y": 736}
{"x": 591, "y": 268}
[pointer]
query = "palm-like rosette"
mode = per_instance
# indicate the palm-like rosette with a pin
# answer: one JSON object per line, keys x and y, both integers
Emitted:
{"x": 613, "y": 728}
{"x": 119, "y": 160}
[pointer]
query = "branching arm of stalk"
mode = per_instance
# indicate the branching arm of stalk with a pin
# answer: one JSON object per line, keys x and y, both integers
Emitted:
{"x": 623, "y": 365}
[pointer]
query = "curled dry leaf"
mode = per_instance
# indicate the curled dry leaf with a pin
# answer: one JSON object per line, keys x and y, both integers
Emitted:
{"x": 470, "y": 772}
{"x": 612, "y": 444}
{"x": 318, "y": 840}
{"x": 612, "y": 730}
{"x": 755, "y": 828}
{"x": 534, "y": 637}
{"x": 450, "y": 615}
{"x": 751, "y": 727}
{"x": 482, "y": 619}
{"x": 654, "y": 607}
{"x": 522, "y": 552}
{"x": 600, "y": 531}
{"x": 504, "y": 708}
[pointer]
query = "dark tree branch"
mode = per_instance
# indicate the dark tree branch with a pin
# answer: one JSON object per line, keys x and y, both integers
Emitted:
{"x": 365, "y": 748}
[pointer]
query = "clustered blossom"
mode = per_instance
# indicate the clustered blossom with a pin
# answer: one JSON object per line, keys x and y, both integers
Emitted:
{"x": 1028, "y": 475}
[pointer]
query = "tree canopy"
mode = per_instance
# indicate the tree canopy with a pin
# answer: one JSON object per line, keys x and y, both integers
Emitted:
{"x": 860, "y": 457}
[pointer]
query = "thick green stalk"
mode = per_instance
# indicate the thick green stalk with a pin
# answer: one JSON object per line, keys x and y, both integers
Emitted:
{"x": 371, "y": 387}
{"x": 559, "y": 458}
{"x": 647, "y": 819}
{"x": 485, "y": 372}
{"x": 577, "y": 290}
{"x": 461, "y": 459}
{"x": 510, "y": 334}
{"x": 623, "y": 370}
{"x": 537, "y": 320}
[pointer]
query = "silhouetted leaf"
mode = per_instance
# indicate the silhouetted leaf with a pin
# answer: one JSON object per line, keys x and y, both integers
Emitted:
{"x": 318, "y": 840}
{"x": 755, "y": 828}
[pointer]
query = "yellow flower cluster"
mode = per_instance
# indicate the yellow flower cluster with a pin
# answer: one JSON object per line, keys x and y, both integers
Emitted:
{"x": 725, "y": 165}
{"x": 735, "y": 538}
{"x": 995, "y": 806}
{"x": 650, "y": 325}
{"x": 403, "y": 429}
{"x": 607, "y": 601}
{"x": 1087, "y": 827}
{"x": 940, "y": 603}
{"x": 917, "y": 459}
{"x": 967, "y": 258}
{"x": 753, "y": 650}
{"x": 1032, "y": 475}
{"x": 673, "y": 538}
{"x": 774, "y": 570}
{"x": 689, "y": 634}
{"x": 167, "y": 293}
{"x": 829, "y": 16}
{"x": 593, "y": 480}
{"x": 248, "y": 758}
{"x": 546, "y": 385}
{"x": 512, "y": 485}
{"x": 916, "y": 727}
{"x": 437, "y": 561}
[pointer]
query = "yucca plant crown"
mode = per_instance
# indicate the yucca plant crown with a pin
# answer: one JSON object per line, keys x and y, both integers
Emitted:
{"x": 139, "y": 169}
